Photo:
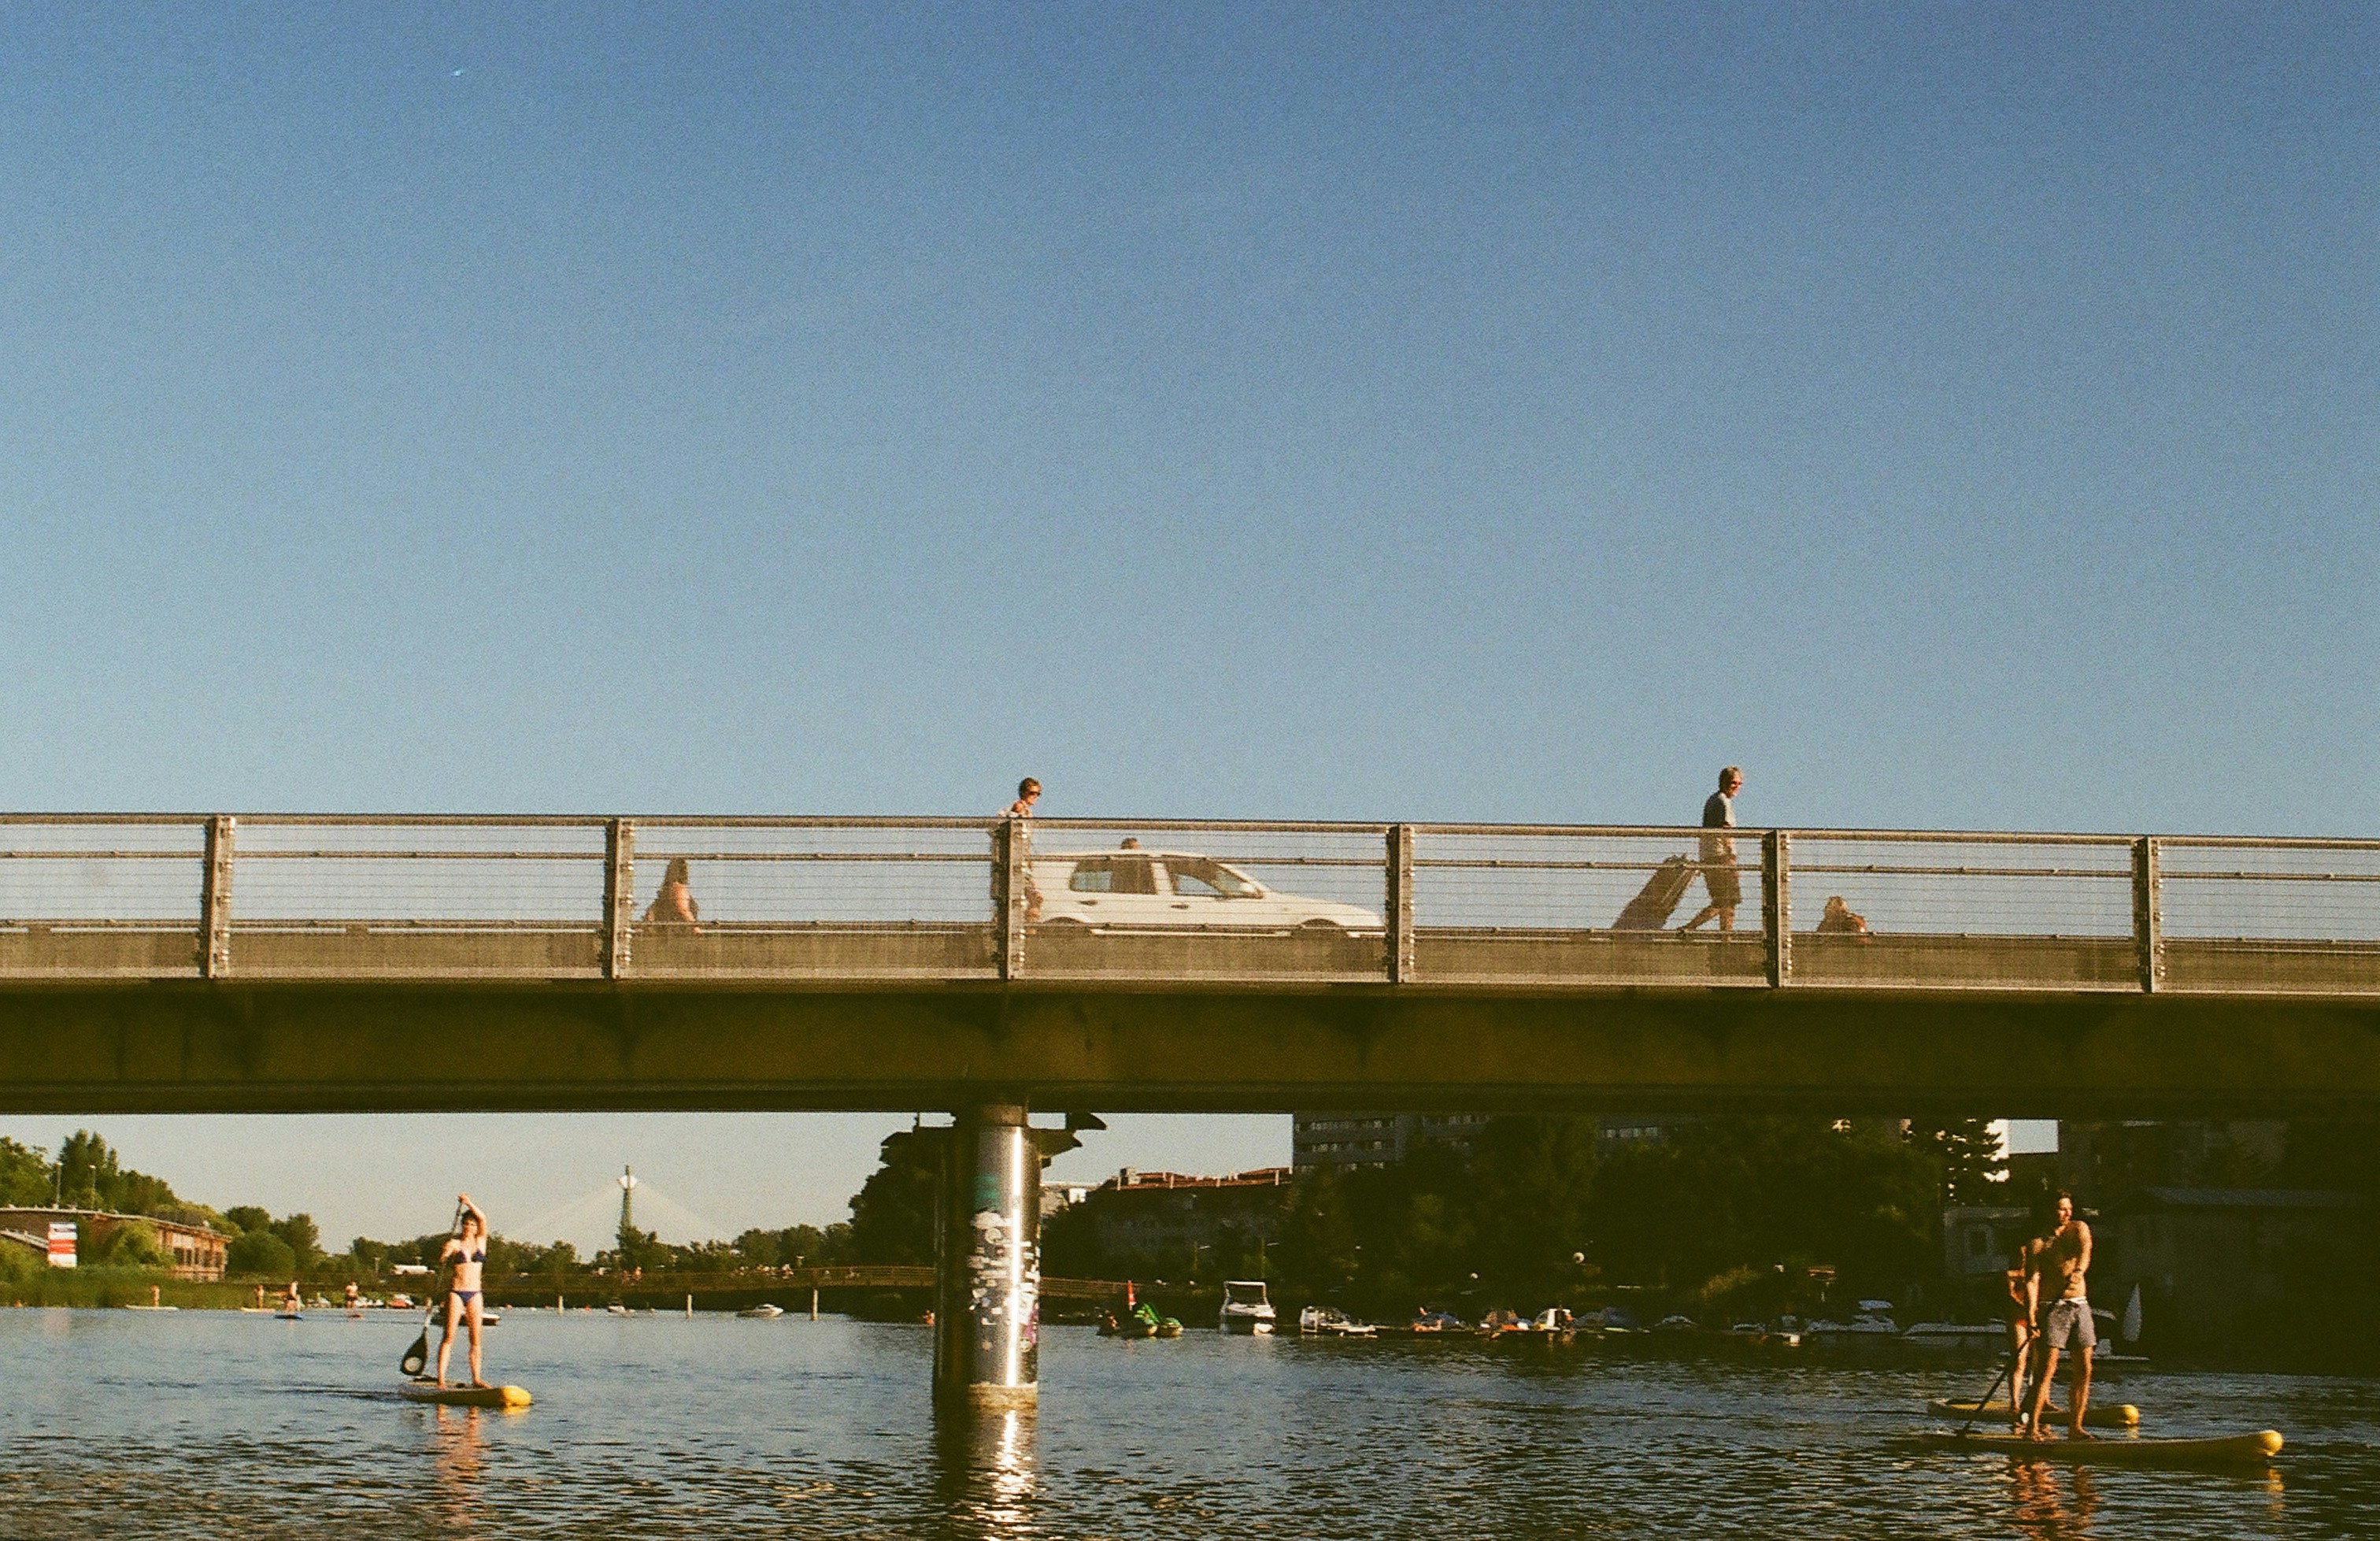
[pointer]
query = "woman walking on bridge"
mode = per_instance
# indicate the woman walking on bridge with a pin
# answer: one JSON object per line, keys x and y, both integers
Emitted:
{"x": 469, "y": 1252}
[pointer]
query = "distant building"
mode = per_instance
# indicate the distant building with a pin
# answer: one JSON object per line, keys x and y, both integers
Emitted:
{"x": 2099, "y": 1160}
{"x": 1345, "y": 1140}
{"x": 1168, "y": 1220}
{"x": 196, "y": 1251}
{"x": 1980, "y": 1239}
{"x": 2210, "y": 1259}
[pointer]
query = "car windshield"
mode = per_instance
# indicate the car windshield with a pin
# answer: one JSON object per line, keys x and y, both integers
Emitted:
{"x": 1200, "y": 877}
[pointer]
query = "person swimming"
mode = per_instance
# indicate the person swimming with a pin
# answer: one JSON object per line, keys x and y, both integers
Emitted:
{"x": 469, "y": 1252}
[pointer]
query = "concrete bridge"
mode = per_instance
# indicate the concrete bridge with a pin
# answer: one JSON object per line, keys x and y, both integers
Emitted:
{"x": 325, "y": 963}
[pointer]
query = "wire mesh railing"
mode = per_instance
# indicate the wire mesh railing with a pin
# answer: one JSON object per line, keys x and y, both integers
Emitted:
{"x": 1199, "y": 901}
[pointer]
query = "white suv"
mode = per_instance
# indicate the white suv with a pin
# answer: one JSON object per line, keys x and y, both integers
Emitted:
{"x": 1176, "y": 891}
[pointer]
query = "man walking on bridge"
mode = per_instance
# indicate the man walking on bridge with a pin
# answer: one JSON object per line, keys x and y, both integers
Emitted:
{"x": 1717, "y": 854}
{"x": 2066, "y": 1320}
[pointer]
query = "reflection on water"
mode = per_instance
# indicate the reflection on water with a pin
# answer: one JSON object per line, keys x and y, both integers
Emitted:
{"x": 458, "y": 1456}
{"x": 985, "y": 1465}
{"x": 2050, "y": 1500}
{"x": 124, "y": 1424}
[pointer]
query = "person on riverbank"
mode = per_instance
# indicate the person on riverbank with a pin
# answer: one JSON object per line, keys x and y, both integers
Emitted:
{"x": 2065, "y": 1325}
{"x": 1720, "y": 875}
{"x": 467, "y": 1251}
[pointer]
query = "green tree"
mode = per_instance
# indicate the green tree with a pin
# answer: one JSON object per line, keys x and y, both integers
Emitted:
{"x": 1318, "y": 1249}
{"x": 304, "y": 1239}
{"x": 248, "y": 1217}
{"x": 892, "y": 1214}
{"x": 1532, "y": 1187}
{"x": 261, "y": 1253}
{"x": 1969, "y": 1154}
{"x": 26, "y": 1175}
{"x": 759, "y": 1249}
{"x": 130, "y": 1245}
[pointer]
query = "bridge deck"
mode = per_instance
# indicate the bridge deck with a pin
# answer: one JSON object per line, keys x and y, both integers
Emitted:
{"x": 320, "y": 961}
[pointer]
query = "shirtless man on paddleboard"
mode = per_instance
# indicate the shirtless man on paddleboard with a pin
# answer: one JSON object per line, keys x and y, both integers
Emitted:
{"x": 2066, "y": 1324}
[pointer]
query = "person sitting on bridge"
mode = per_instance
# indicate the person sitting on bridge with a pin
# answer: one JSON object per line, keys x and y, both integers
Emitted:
{"x": 675, "y": 905}
{"x": 1720, "y": 875}
{"x": 1842, "y": 920}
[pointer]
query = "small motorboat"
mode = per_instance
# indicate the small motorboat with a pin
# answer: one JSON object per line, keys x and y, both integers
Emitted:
{"x": 1435, "y": 1321}
{"x": 1247, "y": 1310}
{"x": 761, "y": 1313}
{"x": 1326, "y": 1321}
{"x": 1677, "y": 1324}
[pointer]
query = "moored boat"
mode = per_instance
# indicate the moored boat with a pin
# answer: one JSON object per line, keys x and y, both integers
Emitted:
{"x": 1247, "y": 1310}
{"x": 1326, "y": 1321}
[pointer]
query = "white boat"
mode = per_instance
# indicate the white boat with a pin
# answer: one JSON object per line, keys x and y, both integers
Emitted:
{"x": 1871, "y": 1323}
{"x": 1325, "y": 1321}
{"x": 761, "y": 1313}
{"x": 1247, "y": 1310}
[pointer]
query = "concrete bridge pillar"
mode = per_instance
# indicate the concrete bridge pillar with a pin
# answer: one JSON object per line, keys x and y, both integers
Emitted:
{"x": 988, "y": 1263}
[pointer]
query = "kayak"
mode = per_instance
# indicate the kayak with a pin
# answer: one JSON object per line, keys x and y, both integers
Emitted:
{"x": 464, "y": 1396}
{"x": 2099, "y": 1414}
{"x": 2235, "y": 1449}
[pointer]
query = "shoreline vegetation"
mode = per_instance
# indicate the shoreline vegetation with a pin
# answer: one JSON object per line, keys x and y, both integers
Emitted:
{"x": 1723, "y": 1220}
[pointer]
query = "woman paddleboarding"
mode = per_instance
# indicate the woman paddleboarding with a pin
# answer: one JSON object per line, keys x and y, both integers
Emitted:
{"x": 468, "y": 1250}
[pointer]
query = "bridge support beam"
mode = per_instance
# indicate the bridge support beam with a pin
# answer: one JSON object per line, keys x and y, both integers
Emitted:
{"x": 988, "y": 1263}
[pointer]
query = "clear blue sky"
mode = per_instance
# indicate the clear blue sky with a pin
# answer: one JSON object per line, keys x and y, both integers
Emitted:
{"x": 1958, "y": 415}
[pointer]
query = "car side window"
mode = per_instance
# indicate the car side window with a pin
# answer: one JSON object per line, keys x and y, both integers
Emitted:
{"x": 1094, "y": 876}
{"x": 1204, "y": 878}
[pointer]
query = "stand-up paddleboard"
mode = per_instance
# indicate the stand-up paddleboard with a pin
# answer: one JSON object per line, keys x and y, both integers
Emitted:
{"x": 2236, "y": 1449}
{"x": 2099, "y": 1414}
{"x": 464, "y": 1396}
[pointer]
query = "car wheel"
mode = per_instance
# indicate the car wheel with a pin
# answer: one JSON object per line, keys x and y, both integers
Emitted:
{"x": 1320, "y": 927}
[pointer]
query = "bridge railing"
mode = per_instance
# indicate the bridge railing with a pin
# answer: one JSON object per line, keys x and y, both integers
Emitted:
{"x": 1210, "y": 903}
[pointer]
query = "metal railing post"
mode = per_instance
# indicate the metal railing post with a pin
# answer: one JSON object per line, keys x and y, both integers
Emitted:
{"x": 2148, "y": 923}
{"x": 1399, "y": 898}
{"x": 1011, "y": 891}
{"x": 1777, "y": 905}
{"x": 215, "y": 898}
{"x": 619, "y": 896}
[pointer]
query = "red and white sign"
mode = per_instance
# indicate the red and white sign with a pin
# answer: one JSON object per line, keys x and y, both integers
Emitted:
{"x": 62, "y": 1244}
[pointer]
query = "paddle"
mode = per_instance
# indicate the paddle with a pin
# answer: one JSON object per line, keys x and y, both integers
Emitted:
{"x": 1985, "y": 1401}
{"x": 417, "y": 1358}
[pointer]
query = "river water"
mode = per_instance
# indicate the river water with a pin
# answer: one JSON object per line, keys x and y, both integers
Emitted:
{"x": 128, "y": 1424}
